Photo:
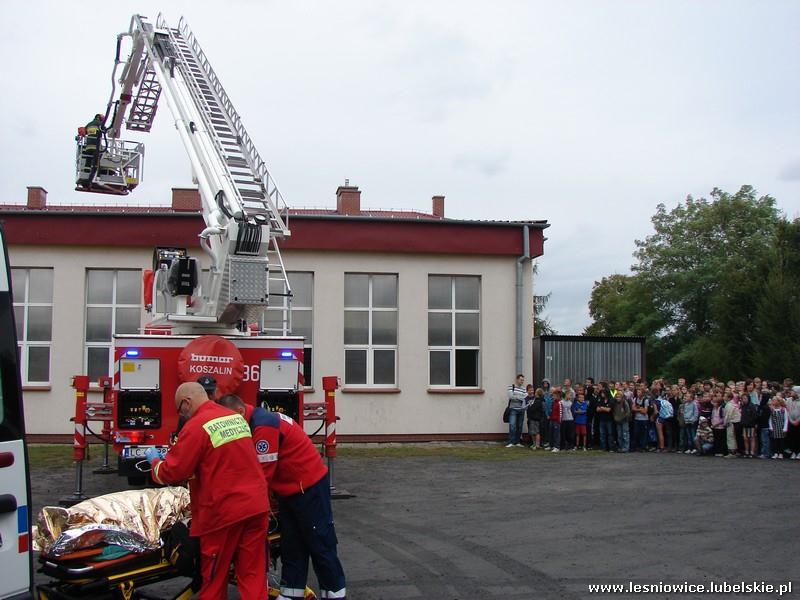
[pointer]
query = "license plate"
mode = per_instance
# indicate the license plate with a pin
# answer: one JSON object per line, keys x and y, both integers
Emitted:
{"x": 137, "y": 452}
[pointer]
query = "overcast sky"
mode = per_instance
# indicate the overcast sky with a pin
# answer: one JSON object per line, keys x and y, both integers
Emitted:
{"x": 586, "y": 114}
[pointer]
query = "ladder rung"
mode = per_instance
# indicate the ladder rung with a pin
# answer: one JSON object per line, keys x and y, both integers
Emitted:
{"x": 250, "y": 194}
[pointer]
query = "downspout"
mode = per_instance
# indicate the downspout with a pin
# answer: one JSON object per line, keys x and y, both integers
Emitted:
{"x": 526, "y": 251}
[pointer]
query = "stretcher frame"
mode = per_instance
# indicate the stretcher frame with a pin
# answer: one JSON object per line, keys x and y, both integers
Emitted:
{"x": 74, "y": 583}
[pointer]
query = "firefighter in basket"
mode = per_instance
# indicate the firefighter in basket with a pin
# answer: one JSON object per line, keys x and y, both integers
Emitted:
{"x": 91, "y": 134}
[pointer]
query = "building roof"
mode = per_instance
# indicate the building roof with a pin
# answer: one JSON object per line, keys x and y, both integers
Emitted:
{"x": 346, "y": 228}
{"x": 391, "y": 214}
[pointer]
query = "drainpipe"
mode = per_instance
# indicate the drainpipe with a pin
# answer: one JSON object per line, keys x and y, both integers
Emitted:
{"x": 526, "y": 252}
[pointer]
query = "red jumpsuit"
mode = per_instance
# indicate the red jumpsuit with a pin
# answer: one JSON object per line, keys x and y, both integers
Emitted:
{"x": 294, "y": 470}
{"x": 215, "y": 453}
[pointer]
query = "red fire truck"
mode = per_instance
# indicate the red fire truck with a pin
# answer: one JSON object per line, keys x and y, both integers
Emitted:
{"x": 260, "y": 369}
{"x": 230, "y": 320}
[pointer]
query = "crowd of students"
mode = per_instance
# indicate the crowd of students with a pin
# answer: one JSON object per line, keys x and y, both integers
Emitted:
{"x": 747, "y": 419}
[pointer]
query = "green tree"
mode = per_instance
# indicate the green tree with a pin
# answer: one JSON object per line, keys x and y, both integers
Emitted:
{"x": 776, "y": 344}
{"x": 697, "y": 289}
{"x": 541, "y": 323}
{"x": 623, "y": 305}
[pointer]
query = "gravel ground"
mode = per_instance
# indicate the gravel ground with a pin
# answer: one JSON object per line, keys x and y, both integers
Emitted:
{"x": 540, "y": 525}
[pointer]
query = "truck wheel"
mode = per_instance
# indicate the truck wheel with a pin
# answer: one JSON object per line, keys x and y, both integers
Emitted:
{"x": 136, "y": 480}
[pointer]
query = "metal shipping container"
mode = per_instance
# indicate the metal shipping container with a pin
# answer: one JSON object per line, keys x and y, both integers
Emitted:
{"x": 556, "y": 357}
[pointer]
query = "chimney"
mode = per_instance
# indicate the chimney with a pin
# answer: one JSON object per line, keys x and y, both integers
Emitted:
{"x": 37, "y": 197}
{"x": 186, "y": 200}
{"x": 438, "y": 207}
{"x": 348, "y": 199}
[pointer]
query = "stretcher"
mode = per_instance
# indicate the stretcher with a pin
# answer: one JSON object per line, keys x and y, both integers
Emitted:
{"x": 96, "y": 572}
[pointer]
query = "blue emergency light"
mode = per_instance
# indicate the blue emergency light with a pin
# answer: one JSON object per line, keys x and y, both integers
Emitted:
{"x": 287, "y": 354}
{"x": 131, "y": 353}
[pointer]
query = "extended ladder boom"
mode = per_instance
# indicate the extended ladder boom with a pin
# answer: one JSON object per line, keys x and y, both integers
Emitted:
{"x": 244, "y": 211}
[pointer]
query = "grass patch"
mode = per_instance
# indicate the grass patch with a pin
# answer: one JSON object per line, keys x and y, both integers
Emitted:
{"x": 489, "y": 452}
{"x": 58, "y": 456}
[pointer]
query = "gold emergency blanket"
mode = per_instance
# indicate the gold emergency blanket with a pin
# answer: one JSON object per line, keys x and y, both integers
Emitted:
{"x": 142, "y": 513}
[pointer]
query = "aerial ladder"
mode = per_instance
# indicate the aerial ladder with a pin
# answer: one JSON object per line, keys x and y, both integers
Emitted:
{"x": 231, "y": 323}
{"x": 244, "y": 211}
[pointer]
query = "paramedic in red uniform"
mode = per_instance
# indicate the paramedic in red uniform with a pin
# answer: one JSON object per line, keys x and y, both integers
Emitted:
{"x": 215, "y": 453}
{"x": 295, "y": 473}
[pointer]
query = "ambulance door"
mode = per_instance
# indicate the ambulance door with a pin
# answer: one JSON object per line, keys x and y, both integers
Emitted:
{"x": 15, "y": 556}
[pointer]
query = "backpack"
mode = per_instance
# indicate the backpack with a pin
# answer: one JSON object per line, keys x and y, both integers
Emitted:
{"x": 665, "y": 409}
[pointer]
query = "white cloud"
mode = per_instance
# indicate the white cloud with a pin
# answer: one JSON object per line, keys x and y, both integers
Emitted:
{"x": 586, "y": 114}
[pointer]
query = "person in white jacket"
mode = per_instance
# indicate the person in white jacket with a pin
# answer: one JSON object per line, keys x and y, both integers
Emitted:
{"x": 793, "y": 432}
{"x": 733, "y": 423}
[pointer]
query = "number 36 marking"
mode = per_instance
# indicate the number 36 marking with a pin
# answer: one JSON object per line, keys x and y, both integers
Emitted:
{"x": 252, "y": 373}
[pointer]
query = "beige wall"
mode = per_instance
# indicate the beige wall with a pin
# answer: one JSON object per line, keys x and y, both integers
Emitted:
{"x": 50, "y": 411}
{"x": 412, "y": 411}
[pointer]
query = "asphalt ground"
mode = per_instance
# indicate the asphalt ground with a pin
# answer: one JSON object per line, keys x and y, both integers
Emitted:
{"x": 513, "y": 524}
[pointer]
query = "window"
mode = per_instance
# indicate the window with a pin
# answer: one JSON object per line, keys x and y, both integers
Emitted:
{"x": 454, "y": 331}
{"x": 302, "y": 285}
{"x": 370, "y": 330}
{"x": 33, "y": 313}
{"x": 113, "y": 306}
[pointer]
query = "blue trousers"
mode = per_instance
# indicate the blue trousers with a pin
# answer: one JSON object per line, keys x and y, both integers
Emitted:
{"x": 763, "y": 435}
{"x": 640, "y": 435}
{"x": 555, "y": 434}
{"x": 515, "y": 420}
{"x": 307, "y": 531}
{"x": 606, "y": 435}
{"x": 623, "y": 439}
{"x": 688, "y": 433}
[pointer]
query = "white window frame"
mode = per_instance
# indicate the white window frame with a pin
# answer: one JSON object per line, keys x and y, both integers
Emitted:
{"x": 23, "y": 344}
{"x": 369, "y": 347}
{"x": 114, "y": 305}
{"x": 453, "y": 347}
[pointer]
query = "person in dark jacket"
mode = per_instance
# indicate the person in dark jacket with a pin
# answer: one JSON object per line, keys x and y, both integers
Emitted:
{"x": 536, "y": 417}
{"x": 91, "y": 132}
{"x": 762, "y": 421}
{"x": 605, "y": 406}
{"x": 748, "y": 424}
{"x": 555, "y": 422}
{"x": 591, "y": 399}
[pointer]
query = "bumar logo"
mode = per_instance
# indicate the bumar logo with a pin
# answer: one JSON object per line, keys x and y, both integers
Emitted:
{"x": 208, "y": 364}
